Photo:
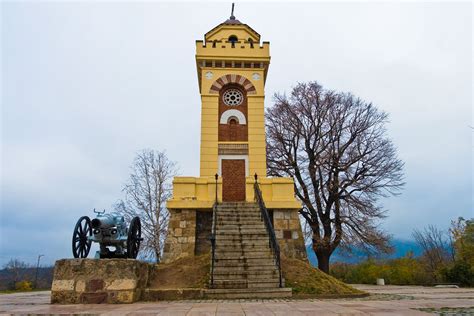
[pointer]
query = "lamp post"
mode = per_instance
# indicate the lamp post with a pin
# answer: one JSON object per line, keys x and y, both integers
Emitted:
{"x": 216, "y": 176}
{"x": 37, "y": 267}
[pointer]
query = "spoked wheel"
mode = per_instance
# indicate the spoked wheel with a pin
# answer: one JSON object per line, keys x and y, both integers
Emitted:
{"x": 134, "y": 238}
{"x": 80, "y": 244}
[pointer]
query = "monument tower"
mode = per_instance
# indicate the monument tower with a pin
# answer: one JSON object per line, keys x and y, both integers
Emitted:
{"x": 232, "y": 66}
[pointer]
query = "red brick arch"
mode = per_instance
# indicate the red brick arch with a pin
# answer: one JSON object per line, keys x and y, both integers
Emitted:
{"x": 236, "y": 79}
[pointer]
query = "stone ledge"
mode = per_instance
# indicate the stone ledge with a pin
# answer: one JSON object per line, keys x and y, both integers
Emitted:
{"x": 96, "y": 281}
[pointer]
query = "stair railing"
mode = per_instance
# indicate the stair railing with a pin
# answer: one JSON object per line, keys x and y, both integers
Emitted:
{"x": 213, "y": 235}
{"x": 269, "y": 226}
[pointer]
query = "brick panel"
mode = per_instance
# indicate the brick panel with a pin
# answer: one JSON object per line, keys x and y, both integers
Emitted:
{"x": 233, "y": 180}
{"x": 232, "y": 132}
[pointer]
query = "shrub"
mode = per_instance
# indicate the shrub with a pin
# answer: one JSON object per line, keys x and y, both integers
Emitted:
{"x": 402, "y": 271}
{"x": 460, "y": 272}
{"x": 23, "y": 286}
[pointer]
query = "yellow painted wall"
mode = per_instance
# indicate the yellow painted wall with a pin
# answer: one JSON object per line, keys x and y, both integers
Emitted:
{"x": 199, "y": 192}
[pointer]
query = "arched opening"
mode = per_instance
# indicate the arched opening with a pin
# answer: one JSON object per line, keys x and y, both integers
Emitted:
{"x": 251, "y": 42}
{"x": 233, "y": 120}
{"x": 233, "y": 39}
{"x": 214, "y": 42}
{"x": 233, "y": 128}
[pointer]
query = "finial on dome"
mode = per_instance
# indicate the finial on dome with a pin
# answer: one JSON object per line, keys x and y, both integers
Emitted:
{"x": 232, "y": 17}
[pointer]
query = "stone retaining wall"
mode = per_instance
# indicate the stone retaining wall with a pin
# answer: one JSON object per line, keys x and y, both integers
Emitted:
{"x": 92, "y": 281}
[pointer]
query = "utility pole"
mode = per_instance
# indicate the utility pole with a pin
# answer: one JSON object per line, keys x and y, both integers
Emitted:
{"x": 37, "y": 267}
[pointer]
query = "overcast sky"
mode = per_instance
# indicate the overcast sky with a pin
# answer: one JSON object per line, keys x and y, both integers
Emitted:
{"x": 87, "y": 85}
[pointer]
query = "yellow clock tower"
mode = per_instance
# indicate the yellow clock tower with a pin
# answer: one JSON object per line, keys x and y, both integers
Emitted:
{"x": 232, "y": 66}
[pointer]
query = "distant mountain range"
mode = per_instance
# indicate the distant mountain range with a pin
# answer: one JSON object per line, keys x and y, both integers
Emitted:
{"x": 401, "y": 248}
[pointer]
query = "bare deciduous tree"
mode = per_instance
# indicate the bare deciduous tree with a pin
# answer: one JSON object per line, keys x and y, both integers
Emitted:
{"x": 436, "y": 248}
{"x": 335, "y": 147}
{"x": 17, "y": 269}
{"x": 146, "y": 193}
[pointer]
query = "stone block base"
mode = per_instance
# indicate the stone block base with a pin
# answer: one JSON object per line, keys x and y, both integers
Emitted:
{"x": 96, "y": 281}
{"x": 181, "y": 238}
{"x": 289, "y": 234}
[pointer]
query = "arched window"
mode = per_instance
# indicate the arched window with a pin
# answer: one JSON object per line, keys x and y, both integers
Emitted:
{"x": 233, "y": 39}
{"x": 233, "y": 120}
{"x": 214, "y": 43}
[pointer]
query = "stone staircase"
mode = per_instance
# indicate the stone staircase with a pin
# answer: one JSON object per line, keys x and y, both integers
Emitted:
{"x": 244, "y": 265}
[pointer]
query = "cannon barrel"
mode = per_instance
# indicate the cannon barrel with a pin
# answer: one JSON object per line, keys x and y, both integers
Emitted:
{"x": 103, "y": 222}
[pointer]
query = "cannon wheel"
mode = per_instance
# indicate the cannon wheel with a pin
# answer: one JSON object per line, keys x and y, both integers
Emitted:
{"x": 80, "y": 244}
{"x": 134, "y": 238}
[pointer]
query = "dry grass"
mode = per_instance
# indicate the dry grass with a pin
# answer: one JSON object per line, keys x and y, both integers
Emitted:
{"x": 309, "y": 281}
{"x": 188, "y": 272}
{"x": 306, "y": 281}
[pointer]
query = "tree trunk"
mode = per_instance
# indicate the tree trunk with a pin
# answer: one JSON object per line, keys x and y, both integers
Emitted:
{"x": 323, "y": 261}
{"x": 157, "y": 256}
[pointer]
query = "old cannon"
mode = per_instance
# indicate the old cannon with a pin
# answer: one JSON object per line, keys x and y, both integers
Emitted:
{"x": 109, "y": 230}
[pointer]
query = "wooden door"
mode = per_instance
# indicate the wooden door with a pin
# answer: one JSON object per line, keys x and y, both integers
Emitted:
{"x": 233, "y": 180}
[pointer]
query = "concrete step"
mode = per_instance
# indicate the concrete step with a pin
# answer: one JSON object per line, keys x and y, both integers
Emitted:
{"x": 242, "y": 245}
{"x": 246, "y": 283}
{"x": 264, "y": 284}
{"x": 226, "y": 262}
{"x": 244, "y": 250}
{"x": 241, "y": 267}
{"x": 238, "y": 214}
{"x": 247, "y": 250}
{"x": 240, "y": 224}
{"x": 242, "y": 238}
{"x": 240, "y": 217}
{"x": 241, "y": 228}
{"x": 239, "y": 256}
{"x": 230, "y": 284}
{"x": 237, "y": 226}
{"x": 238, "y": 206}
{"x": 248, "y": 293}
{"x": 238, "y": 210}
{"x": 254, "y": 275}
{"x": 225, "y": 241}
{"x": 247, "y": 233}
{"x": 243, "y": 223}
{"x": 239, "y": 250}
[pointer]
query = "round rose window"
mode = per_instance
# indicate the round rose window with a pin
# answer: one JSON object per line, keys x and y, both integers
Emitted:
{"x": 233, "y": 97}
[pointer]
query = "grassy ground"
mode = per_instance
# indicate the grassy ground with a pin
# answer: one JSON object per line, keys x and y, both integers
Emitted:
{"x": 308, "y": 281}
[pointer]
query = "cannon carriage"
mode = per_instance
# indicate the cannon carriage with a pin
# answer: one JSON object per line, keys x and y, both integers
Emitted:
{"x": 110, "y": 231}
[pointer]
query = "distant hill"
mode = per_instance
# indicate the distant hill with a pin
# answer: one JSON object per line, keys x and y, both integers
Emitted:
{"x": 401, "y": 248}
